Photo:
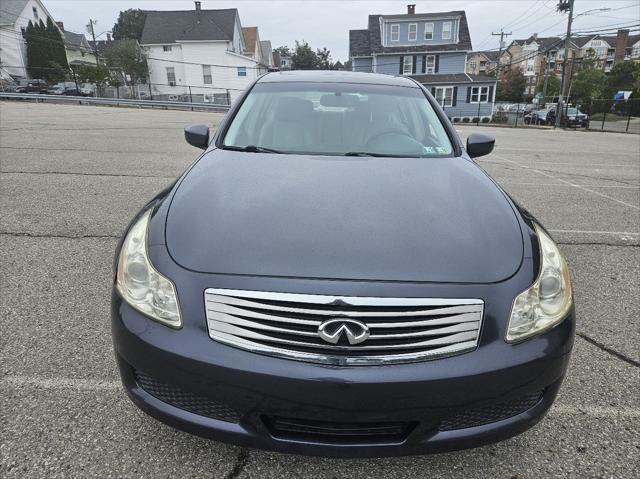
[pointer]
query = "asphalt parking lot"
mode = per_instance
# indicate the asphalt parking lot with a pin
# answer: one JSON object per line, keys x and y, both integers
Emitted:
{"x": 73, "y": 176}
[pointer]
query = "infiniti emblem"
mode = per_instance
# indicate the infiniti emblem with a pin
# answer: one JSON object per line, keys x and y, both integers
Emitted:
{"x": 333, "y": 329}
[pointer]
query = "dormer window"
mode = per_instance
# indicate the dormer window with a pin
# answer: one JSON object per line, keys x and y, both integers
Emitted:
{"x": 446, "y": 31}
{"x": 413, "y": 32}
{"x": 166, "y": 48}
{"x": 395, "y": 33}
{"x": 428, "y": 31}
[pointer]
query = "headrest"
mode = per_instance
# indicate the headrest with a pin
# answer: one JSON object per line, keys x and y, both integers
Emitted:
{"x": 289, "y": 108}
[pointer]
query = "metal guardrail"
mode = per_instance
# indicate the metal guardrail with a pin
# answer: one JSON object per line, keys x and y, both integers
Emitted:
{"x": 111, "y": 101}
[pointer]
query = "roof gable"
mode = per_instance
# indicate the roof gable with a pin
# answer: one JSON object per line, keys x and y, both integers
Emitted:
{"x": 250, "y": 35}
{"x": 11, "y": 10}
{"x": 185, "y": 25}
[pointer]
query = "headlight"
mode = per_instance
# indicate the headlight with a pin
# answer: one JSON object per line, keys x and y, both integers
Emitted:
{"x": 138, "y": 282}
{"x": 547, "y": 301}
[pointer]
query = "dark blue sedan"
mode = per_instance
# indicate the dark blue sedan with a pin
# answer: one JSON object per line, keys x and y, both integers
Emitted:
{"x": 335, "y": 275}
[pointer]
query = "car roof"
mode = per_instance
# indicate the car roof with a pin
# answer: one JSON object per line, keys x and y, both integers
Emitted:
{"x": 329, "y": 76}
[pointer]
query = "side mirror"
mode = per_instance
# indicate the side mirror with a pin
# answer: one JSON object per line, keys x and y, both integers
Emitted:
{"x": 479, "y": 144}
{"x": 197, "y": 135}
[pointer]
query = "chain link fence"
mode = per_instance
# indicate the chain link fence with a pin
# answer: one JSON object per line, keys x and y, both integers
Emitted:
{"x": 599, "y": 114}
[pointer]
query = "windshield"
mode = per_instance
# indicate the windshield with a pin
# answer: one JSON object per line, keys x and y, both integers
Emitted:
{"x": 572, "y": 111}
{"x": 338, "y": 119}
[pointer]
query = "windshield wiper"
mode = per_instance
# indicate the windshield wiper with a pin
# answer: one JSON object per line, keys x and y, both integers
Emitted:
{"x": 251, "y": 149}
{"x": 377, "y": 155}
{"x": 363, "y": 153}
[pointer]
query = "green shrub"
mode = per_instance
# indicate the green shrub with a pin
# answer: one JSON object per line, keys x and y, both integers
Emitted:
{"x": 465, "y": 119}
{"x": 476, "y": 119}
{"x": 485, "y": 119}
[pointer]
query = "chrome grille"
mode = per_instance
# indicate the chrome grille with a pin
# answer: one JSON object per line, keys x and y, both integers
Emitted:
{"x": 399, "y": 329}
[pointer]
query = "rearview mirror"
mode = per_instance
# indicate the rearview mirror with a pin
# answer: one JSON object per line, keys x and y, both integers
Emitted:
{"x": 479, "y": 144}
{"x": 197, "y": 135}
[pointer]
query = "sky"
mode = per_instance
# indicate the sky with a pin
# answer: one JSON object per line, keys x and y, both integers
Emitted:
{"x": 326, "y": 23}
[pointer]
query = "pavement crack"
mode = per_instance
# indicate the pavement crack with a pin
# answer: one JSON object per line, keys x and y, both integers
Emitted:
{"x": 40, "y": 235}
{"x": 83, "y": 174}
{"x": 607, "y": 349}
{"x": 239, "y": 464}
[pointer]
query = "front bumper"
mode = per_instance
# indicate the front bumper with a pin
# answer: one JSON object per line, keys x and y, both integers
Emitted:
{"x": 447, "y": 404}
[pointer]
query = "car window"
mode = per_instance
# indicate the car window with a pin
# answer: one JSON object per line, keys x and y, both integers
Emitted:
{"x": 337, "y": 119}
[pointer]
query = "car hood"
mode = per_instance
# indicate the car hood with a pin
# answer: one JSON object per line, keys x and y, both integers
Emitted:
{"x": 385, "y": 219}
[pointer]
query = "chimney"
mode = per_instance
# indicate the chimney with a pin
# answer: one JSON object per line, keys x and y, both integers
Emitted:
{"x": 60, "y": 25}
{"x": 535, "y": 36}
{"x": 108, "y": 36}
{"x": 198, "y": 5}
{"x": 411, "y": 9}
{"x": 621, "y": 45}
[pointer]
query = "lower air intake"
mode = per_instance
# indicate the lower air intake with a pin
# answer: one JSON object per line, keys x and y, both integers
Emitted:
{"x": 338, "y": 432}
{"x": 492, "y": 413}
{"x": 186, "y": 400}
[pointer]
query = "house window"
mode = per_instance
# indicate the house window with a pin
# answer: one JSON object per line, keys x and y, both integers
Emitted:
{"x": 407, "y": 65}
{"x": 413, "y": 32}
{"x": 444, "y": 95}
{"x": 166, "y": 48}
{"x": 472, "y": 66}
{"x": 24, "y": 32}
{"x": 430, "y": 67}
{"x": 446, "y": 31}
{"x": 242, "y": 71}
{"x": 479, "y": 94}
{"x": 171, "y": 76}
{"x": 428, "y": 31}
{"x": 35, "y": 12}
{"x": 395, "y": 33}
{"x": 206, "y": 74}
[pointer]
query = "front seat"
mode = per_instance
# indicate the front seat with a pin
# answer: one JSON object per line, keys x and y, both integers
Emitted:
{"x": 291, "y": 126}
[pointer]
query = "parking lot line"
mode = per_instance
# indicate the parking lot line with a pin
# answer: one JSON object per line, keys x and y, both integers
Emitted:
{"x": 583, "y": 165}
{"x": 521, "y": 183}
{"x": 570, "y": 183}
{"x": 620, "y": 233}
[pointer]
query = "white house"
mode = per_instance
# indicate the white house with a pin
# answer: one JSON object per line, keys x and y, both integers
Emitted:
{"x": 198, "y": 53}
{"x": 14, "y": 18}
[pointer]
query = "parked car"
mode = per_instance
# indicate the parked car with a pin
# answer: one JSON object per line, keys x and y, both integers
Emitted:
{"x": 539, "y": 117}
{"x": 571, "y": 117}
{"x": 65, "y": 88}
{"x": 336, "y": 275}
{"x": 32, "y": 86}
{"x": 88, "y": 89}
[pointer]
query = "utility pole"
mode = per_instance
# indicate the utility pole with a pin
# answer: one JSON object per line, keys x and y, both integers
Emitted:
{"x": 93, "y": 35}
{"x": 563, "y": 6}
{"x": 502, "y": 34}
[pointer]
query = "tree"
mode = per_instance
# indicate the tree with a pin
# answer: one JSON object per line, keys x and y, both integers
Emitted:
{"x": 98, "y": 74}
{"x": 553, "y": 85}
{"x": 324, "y": 61}
{"x": 511, "y": 86}
{"x": 590, "y": 82}
{"x": 284, "y": 51}
{"x": 623, "y": 77}
{"x": 130, "y": 24}
{"x": 46, "y": 55}
{"x": 126, "y": 56}
{"x": 303, "y": 57}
